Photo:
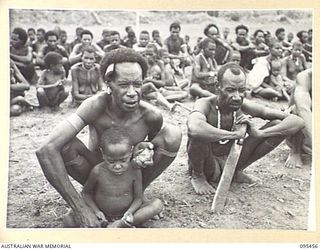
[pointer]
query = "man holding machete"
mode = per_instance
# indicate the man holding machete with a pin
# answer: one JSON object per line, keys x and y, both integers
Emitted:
{"x": 211, "y": 135}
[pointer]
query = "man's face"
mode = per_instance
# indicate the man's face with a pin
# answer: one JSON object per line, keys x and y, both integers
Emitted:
{"x": 144, "y": 39}
{"x": 241, "y": 35}
{"x": 86, "y": 39}
{"x": 31, "y": 35}
{"x": 117, "y": 158}
{"x": 63, "y": 37}
{"x": 281, "y": 36}
{"x": 175, "y": 32}
{"x": 260, "y": 37}
{"x": 15, "y": 40}
{"x": 52, "y": 41}
{"x": 88, "y": 59}
{"x": 232, "y": 91}
{"x": 40, "y": 36}
{"x": 210, "y": 50}
{"x": 213, "y": 33}
{"x": 276, "y": 50}
{"x": 126, "y": 87}
{"x": 115, "y": 40}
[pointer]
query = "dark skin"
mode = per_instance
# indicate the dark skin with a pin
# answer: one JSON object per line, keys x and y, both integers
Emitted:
{"x": 121, "y": 108}
{"x": 202, "y": 128}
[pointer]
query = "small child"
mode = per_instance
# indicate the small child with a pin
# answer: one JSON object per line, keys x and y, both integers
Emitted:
{"x": 50, "y": 89}
{"x": 114, "y": 188}
{"x": 277, "y": 86}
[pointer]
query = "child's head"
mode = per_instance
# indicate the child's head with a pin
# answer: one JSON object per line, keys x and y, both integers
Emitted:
{"x": 53, "y": 62}
{"x": 88, "y": 57}
{"x": 156, "y": 35}
{"x": 297, "y": 49}
{"x": 236, "y": 57}
{"x": 276, "y": 67}
{"x": 63, "y": 36}
{"x": 290, "y": 36}
{"x": 116, "y": 150}
{"x": 115, "y": 38}
{"x": 208, "y": 47}
{"x": 19, "y": 37}
{"x": 144, "y": 38}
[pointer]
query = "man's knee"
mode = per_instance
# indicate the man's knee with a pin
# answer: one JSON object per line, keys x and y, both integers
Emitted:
{"x": 15, "y": 110}
{"x": 172, "y": 137}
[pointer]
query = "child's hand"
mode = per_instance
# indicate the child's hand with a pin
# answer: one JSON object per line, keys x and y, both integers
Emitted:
{"x": 143, "y": 154}
{"x": 102, "y": 218}
{"x": 128, "y": 217}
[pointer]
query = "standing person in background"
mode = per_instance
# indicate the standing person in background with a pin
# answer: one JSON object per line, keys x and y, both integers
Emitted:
{"x": 130, "y": 39}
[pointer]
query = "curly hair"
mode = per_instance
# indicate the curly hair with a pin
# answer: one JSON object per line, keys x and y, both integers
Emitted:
{"x": 52, "y": 58}
{"x": 122, "y": 55}
{"x": 114, "y": 135}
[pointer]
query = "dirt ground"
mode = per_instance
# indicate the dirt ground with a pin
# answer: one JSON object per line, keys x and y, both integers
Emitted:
{"x": 278, "y": 201}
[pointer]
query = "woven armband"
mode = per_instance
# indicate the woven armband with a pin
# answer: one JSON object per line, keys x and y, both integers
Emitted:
{"x": 76, "y": 121}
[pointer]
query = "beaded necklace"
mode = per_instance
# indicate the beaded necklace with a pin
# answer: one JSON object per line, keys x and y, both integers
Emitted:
{"x": 219, "y": 123}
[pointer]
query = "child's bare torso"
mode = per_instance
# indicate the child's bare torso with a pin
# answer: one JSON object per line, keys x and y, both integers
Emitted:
{"x": 114, "y": 193}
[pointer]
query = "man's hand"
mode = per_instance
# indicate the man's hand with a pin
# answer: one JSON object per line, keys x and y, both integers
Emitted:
{"x": 252, "y": 129}
{"x": 87, "y": 218}
{"x": 102, "y": 219}
{"x": 143, "y": 154}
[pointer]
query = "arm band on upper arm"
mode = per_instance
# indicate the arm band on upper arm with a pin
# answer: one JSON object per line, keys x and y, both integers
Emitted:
{"x": 76, "y": 121}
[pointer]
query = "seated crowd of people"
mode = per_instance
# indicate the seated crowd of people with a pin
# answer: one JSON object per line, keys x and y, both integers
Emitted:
{"x": 46, "y": 59}
{"x": 129, "y": 143}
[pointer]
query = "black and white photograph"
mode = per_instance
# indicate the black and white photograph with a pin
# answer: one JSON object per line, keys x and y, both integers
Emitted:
{"x": 211, "y": 108}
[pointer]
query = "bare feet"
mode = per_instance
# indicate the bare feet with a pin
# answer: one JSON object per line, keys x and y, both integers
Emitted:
{"x": 240, "y": 177}
{"x": 201, "y": 186}
{"x": 293, "y": 161}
